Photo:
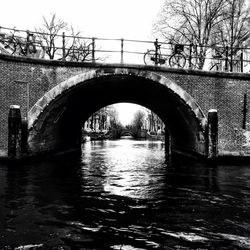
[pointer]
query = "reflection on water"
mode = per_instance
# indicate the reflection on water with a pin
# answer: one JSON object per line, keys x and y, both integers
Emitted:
{"x": 126, "y": 167}
{"x": 122, "y": 195}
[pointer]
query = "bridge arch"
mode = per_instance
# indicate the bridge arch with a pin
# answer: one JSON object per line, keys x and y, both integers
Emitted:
{"x": 56, "y": 118}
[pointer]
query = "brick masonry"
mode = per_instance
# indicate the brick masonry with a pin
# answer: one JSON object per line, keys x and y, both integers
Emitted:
{"x": 211, "y": 90}
{"x": 224, "y": 92}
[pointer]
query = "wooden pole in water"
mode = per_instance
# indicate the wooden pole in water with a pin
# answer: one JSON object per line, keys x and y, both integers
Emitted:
{"x": 14, "y": 132}
{"x": 212, "y": 134}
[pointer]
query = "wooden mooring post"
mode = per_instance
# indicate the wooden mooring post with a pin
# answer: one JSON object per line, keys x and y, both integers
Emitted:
{"x": 212, "y": 135}
{"x": 14, "y": 132}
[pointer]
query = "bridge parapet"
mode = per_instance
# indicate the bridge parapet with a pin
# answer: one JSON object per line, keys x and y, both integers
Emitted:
{"x": 33, "y": 44}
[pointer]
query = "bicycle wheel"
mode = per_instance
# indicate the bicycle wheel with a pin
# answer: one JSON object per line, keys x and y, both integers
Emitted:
{"x": 177, "y": 61}
{"x": 214, "y": 67}
{"x": 194, "y": 64}
{"x": 149, "y": 57}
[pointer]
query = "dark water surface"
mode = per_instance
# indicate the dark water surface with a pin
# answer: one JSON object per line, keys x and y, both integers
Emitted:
{"x": 122, "y": 195}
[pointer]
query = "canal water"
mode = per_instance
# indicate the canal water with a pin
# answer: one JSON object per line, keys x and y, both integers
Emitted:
{"x": 122, "y": 195}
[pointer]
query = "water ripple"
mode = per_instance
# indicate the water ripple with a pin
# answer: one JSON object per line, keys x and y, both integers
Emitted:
{"x": 122, "y": 195}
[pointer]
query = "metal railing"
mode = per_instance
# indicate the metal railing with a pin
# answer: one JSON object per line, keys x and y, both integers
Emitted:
{"x": 92, "y": 49}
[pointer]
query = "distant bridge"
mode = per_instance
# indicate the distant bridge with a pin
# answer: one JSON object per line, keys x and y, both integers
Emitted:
{"x": 137, "y": 134}
{"x": 127, "y": 132}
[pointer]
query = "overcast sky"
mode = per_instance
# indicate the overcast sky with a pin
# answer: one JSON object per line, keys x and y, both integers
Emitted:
{"x": 129, "y": 19}
{"x": 109, "y": 18}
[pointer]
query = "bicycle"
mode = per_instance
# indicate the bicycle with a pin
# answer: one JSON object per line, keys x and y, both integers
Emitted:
{"x": 217, "y": 58}
{"x": 198, "y": 57}
{"x": 155, "y": 57}
{"x": 18, "y": 46}
{"x": 177, "y": 59}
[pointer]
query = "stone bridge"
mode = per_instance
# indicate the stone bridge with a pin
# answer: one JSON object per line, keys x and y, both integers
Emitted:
{"x": 136, "y": 134}
{"x": 57, "y": 97}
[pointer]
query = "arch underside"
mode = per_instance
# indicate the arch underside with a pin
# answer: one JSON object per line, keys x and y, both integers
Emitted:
{"x": 57, "y": 126}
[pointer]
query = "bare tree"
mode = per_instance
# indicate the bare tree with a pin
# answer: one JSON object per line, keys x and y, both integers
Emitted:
{"x": 55, "y": 41}
{"x": 234, "y": 28}
{"x": 233, "y": 31}
{"x": 113, "y": 115}
{"x": 80, "y": 51}
{"x": 206, "y": 23}
{"x": 50, "y": 34}
{"x": 191, "y": 22}
{"x": 154, "y": 122}
{"x": 138, "y": 120}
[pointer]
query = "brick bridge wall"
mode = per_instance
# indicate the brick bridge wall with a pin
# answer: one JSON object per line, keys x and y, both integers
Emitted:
{"x": 221, "y": 91}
